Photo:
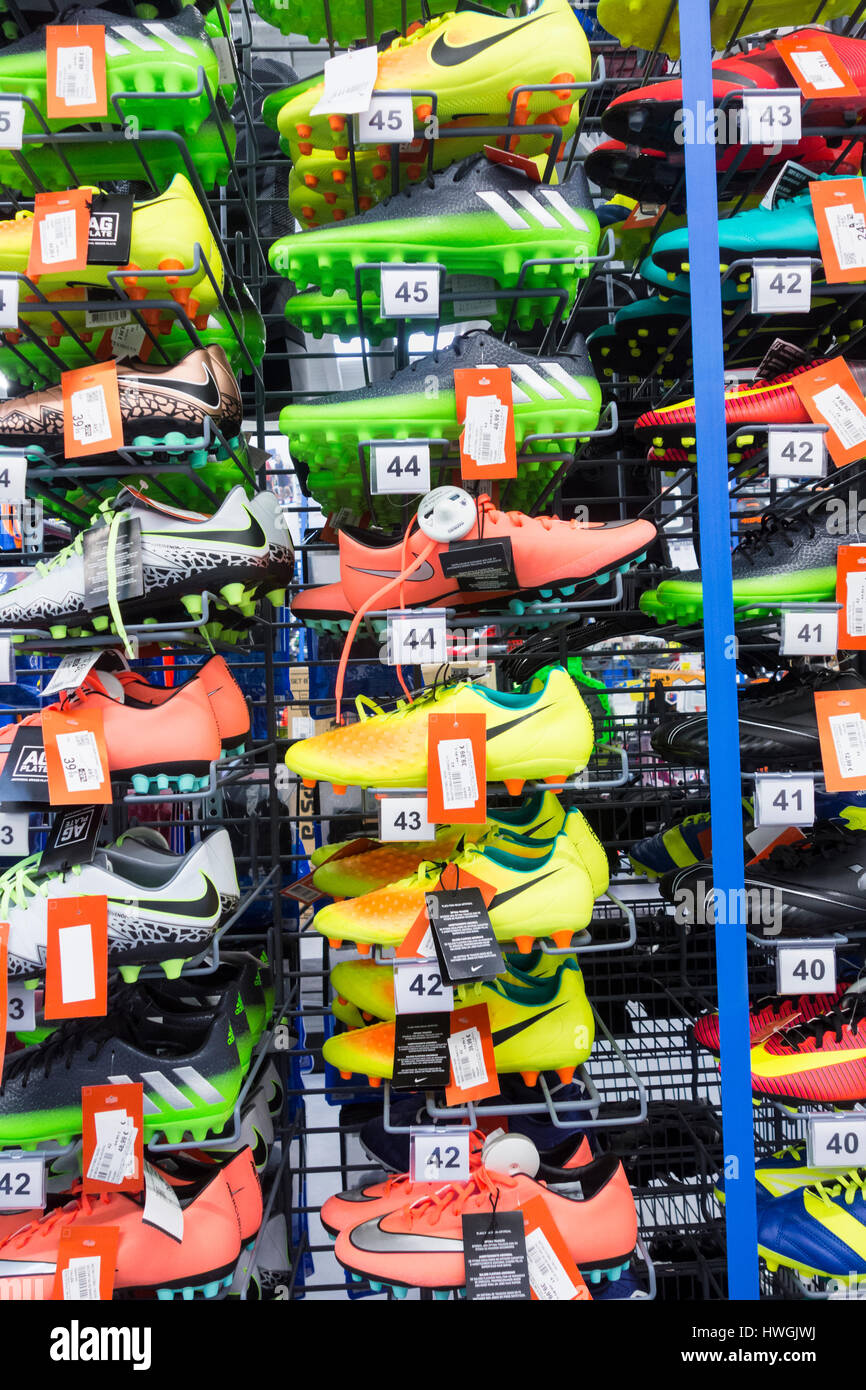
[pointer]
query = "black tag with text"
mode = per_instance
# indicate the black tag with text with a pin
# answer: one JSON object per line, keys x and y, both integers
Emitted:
{"x": 480, "y": 565}
{"x": 127, "y": 562}
{"x": 24, "y": 776}
{"x": 421, "y": 1057}
{"x": 465, "y": 942}
{"x": 780, "y": 358}
{"x": 109, "y": 235}
{"x": 494, "y": 1254}
{"x": 72, "y": 838}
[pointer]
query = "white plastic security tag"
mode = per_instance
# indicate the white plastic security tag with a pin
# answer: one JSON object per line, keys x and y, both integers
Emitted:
{"x": 446, "y": 514}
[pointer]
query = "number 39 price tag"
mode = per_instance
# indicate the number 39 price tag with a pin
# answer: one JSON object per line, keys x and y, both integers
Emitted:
{"x": 403, "y": 468}
{"x": 781, "y": 287}
{"x": 404, "y": 818}
{"x": 22, "y": 1183}
{"x": 802, "y": 968}
{"x": 419, "y": 989}
{"x": 439, "y": 1155}
{"x": 784, "y": 800}
{"x": 836, "y": 1141}
{"x": 418, "y": 638}
{"x": 815, "y": 633}
{"x": 388, "y": 121}
{"x": 410, "y": 291}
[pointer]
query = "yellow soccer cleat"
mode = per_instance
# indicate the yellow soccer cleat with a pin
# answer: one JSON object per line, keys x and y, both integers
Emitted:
{"x": 544, "y": 895}
{"x": 654, "y": 24}
{"x": 545, "y": 734}
{"x": 547, "y": 1026}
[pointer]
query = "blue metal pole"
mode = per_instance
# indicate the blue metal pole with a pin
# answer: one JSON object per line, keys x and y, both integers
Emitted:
{"x": 720, "y": 652}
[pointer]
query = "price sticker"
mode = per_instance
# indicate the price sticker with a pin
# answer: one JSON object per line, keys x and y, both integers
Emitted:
{"x": 418, "y": 638}
{"x": 810, "y": 634}
{"x": 80, "y": 760}
{"x": 22, "y": 1183}
{"x": 781, "y": 287}
{"x": 13, "y": 477}
{"x": 772, "y": 118}
{"x": 420, "y": 989}
{"x": 20, "y": 1009}
{"x": 11, "y": 124}
{"x": 784, "y": 800}
{"x": 439, "y": 1155}
{"x": 803, "y": 968}
{"x": 796, "y": 453}
{"x": 400, "y": 468}
{"x": 409, "y": 291}
{"x": 388, "y": 121}
{"x": 404, "y": 818}
{"x": 837, "y": 1141}
{"x": 8, "y": 301}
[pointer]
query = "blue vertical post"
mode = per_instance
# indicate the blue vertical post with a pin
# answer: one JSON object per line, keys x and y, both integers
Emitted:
{"x": 720, "y": 658}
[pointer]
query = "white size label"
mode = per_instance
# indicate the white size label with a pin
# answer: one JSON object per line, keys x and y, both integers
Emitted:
{"x": 11, "y": 124}
{"x": 815, "y": 69}
{"x": 79, "y": 758}
{"x": 795, "y": 453}
{"x": 161, "y": 1206}
{"x": 810, "y": 634}
{"x": 404, "y": 818}
{"x": 127, "y": 340}
{"x": 420, "y": 989}
{"x": 772, "y": 119}
{"x": 303, "y": 726}
{"x": 805, "y": 969}
{"x": 348, "y": 82}
{"x": 474, "y": 308}
{"x": 467, "y": 1059}
{"x": 80, "y": 1279}
{"x": 781, "y": 287}
{"x": 7, "y": 662}
{"x": 75, "y": 82}
{"x": 90, "y": 422}
{"x": 784, "y": 800}
{"x": 224, "y": 50}
{"x": 400, "y": 468}
{"x": 484, "y": 430}
{"x": 57, "y": 240}
{"x": 842, "y": 415}
{"x": 77, "y": 966}
{"x": 409, "y": 291}
{"x": 855, "y": 604}
{"x": 418, "y": 638}
{"x": 550, "y": 1282}
{"x": 8, "y": 301}
{"x": 457, "y": 773}
{"x": 387, "y": 121}
{"x": 13, "y": 477}
{"x": 439, "y": 1155}
{"x": 20, "y": 1008}
{"x": 837, "y": 1141}
{"x": 71, "y": 671}
{"x": 14, "y": 837}
{"x": 848, "y": 732}
{"x": 847, "y": 229}
{"x": 22, "y": 1183}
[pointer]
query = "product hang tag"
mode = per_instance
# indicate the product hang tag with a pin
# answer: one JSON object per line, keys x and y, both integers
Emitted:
{"x": 75, "y": 62}
{"x": 92, "y": 423}
{"x": 457, "y": 768}
{"x": 793, "y": 180}
{"x": 532, "y": 168}
{"x": 421, "y": 1057}
{"x": 831, "y": 396}
{"x": 72, "y": 838}
{"x": 553, "y": 1275}
{"x": 109, "y": 232}
{"x": 815, "y": 65}
{"x": 76, "y": 967}
{"x": 839, "y": 206}
{"x": 842, "y": 732}
{"x": 465, "y": 942}
{"x": 76, "y": 759}
{"x": 86, "y": 1262}
{"x": 71, "y": 672}
{"x": 112, "y": 1130}
{"x": 24, "y": 777}
{"x": 494, "y": 1254}
{"x": 126, "y": 565}
{"x": 485, "y": 407}
{"x": 486, "y": 565}
{"x": 470, "y": 1047}
{"x": 127, "y": 340}
{"x": 58, "y": 237}
{"x": 851, "y": 594}
{"x": 161, "y": 1206}
{"x": 349, "y": 80}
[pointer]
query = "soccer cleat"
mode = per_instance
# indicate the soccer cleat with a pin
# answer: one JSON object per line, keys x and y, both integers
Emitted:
{"x": 651, "y": 24}
{"x": 221, "y": 1212}
{"x": 170, "y": 234}
{"x": 818, "y": 1230}
{"x": 171, "y": 409}
{"x": 777, "y": 722}
{"x": 557, "y": 394}
{"x": 779, "y": 1173}
{"x": 481, "y": 301}
{"x": 241, "y": 989}
{"x": 160, "y": 911}
{"x": 350, "y": 20}
{"x": 822, "y": 1059}
{"x": 547, "y": 1026}
{"x": 476, "y": 218}
{"x": 676, "y": 846}
{"x": 473, "y": 62}
{"x": 421, "y": 1243}
{"x": 548, "y": 894}
{"x": 768, "y": 1016}
{"x": 240, "y": 552}
{"x": 544, "y": 734}
{"x": 550, "y": 557}
{"x": 155, "y": 70}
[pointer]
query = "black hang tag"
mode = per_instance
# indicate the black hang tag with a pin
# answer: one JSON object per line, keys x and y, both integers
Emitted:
{"x": 790, "y": 183}
{"x": 24, "y": 776}
{"x": 494, "y": 1255}
{"x": 465, "y": 942}
{"x": 421, "y": 1057}
{"x": 109, "y": 235}
{"x": 480, "y": 565}
{"x": 127, "y": 562}
{"x": 780, "y": 358}
{"x": 72, "y": 838}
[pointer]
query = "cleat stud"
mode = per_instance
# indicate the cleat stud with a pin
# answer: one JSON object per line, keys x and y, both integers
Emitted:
{"x": 524, "y": 944}
{"x": 530, "y": 1078}
{"x": 172, "y": 968}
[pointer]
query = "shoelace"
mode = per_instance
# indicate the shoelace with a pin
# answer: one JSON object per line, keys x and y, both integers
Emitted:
{"x": 476, "y": 1145}
{"x": 826, "y": 841}
{"x": 84, "y": 1205}
{"x": 457, "y": 1196}
{"x": 24, "y": 881}
{"x": 76, "y": 547}
{"x": 774, "y": 530}
{"x": 848, "y": 1012}
{"x": 62, "y": 1047}
{"x": 406, "y": 40}
{"x": 851, "y": 1184}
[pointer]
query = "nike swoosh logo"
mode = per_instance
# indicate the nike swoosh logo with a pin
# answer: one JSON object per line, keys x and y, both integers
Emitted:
{"x": 447, "y": 56}
{"x": 370, "y": 1236}
{"x": 207, "y": 392}
{"x": 421, "y": 575}
{"x": 509, "y": 893}
{"x": 252, "y": 537}
{"x": 503, "y": 1034}
{"x": 206, "y": 906}
{"x": 512, "y": 724}
{"x": 796, "y": 1066}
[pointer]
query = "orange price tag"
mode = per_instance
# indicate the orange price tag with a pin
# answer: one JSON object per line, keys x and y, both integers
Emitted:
{"x": 473, "y": 1067}
{"x": 553, "y": 1275}
{"x": 4, "y": 989}
{"x": 86, "y": 1263}
{"x": 485, "y": 409}
{"x": 76, "y": 967}
{"x": 76, "y": 758}
{"x": 532, "y": 168}
{"x": 842, "y": 731}
{"x": 112, "y": 1131}
{"x": 830, "y": 396}
{"x": 92, "y": 423}
{"x": 839, "y": 206}
{"x": 789, "y": 836}
{"x": 451, "y": 877}
{"x": 815, "y": 65}
{"x": 58, "y": 236}
{"x": 75, "y": 68}
{"x": 851, "y": 594}
{"x": 457, "y": 769}
{"x": 641, "y": 218}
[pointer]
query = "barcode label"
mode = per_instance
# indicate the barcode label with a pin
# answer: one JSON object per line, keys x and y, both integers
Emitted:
{"x": 474, "y": 284}
{"x": 843, "y": 415}
{"x": 90, "y": 422}
{"x": 550, "y": 1282}
{"x": 467, "y": 1059}
{"x": 848, "y": 230}
{"x": 75, "y": 84}
{"x": 114, "y": 1152}
{"x": 849, "y": 740}
{"x": 855, "y": 605}
{"x": 106, "y": 318}
{"x": 485, "y": 429}
{"x": 817, "y": 71}
{"x": 81, "y": 1279}
{"x": 57, "y": 236}
{"x": 457, "y": 771}
{"x": 127, "y": 340}
{"x": 79, "y": 758}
